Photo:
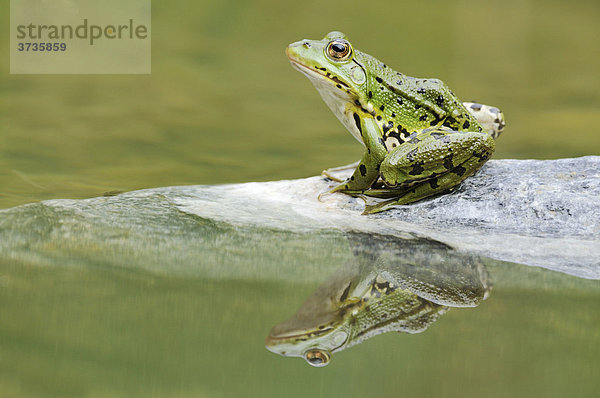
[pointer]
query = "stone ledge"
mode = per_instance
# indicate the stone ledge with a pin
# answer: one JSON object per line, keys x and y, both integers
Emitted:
{"x": 536, "y": 212}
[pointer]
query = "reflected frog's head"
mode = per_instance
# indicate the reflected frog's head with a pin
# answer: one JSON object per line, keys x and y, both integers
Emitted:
{"x": 314, "y": 348}
{"x": 315, "y": 331}
{"x": 331, "y": 65}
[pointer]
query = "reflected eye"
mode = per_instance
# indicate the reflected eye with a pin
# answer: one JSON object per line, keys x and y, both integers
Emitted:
{"x": 339, "y": 50}
{"x": 317, "y": 357}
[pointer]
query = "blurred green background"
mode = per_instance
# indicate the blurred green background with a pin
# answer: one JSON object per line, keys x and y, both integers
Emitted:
{"x": 223, "y": 105}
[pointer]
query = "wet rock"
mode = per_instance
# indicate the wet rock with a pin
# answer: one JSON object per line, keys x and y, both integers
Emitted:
{"x": 537, "y": 212}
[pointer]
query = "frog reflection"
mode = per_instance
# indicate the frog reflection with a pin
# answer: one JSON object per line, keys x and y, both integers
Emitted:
{"x": 391, "y": 284}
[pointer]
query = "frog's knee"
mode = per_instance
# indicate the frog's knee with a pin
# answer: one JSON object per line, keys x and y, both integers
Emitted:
{"x": 396, "y": 171}
{"x": 484, "y": 148}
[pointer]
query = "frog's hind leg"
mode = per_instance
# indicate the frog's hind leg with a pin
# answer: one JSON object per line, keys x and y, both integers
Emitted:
{"x": 329, "y": 172}
{"x": 433, "y": 163}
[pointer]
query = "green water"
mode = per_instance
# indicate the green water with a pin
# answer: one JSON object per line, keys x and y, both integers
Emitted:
{"x": 112, "y": 322}
{"x": 223, "y": 105}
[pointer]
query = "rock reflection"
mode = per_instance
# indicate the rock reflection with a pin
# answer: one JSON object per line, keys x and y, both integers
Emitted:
{"x": 391, "y": 284}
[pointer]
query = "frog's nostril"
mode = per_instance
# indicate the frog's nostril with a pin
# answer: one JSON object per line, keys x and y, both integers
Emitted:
{"x": 306, "y": 44}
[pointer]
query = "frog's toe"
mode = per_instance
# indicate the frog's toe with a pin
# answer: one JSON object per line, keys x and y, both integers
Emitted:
{"x": 341, "y": 187}
{"x": 377, "y": 208}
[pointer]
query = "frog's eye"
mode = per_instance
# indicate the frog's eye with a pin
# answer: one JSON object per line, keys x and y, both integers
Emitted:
{"x": 317, "y": 357}
{"x": 339, "y": 50}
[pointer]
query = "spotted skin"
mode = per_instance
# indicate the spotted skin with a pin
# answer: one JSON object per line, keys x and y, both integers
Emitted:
{"x": 420, "y": 139}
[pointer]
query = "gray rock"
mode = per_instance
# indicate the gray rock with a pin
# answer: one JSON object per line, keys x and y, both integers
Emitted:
{"x": 543, "y": 213}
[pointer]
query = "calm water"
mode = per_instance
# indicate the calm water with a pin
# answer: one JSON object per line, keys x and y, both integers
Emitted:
{"x": 223, "y": 105}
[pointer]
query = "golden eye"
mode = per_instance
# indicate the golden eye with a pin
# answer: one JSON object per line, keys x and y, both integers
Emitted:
{"x": 339, "y": 50}
{"x": 317, "y": 357}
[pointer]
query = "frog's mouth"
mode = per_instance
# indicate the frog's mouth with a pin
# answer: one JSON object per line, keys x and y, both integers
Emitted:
{"x": 319, "y": 74}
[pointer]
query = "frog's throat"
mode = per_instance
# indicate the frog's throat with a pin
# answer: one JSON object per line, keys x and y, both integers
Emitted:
{"x": 339, "y": 100}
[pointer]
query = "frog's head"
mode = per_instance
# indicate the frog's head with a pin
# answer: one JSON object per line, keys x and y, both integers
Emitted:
{"x": 331, "y": 66}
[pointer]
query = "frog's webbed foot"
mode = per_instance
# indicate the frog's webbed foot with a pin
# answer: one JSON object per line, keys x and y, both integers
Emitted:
{"x": 328, "y": 173}
{"x": 379, "y": 207}
{"x": 490, "y": 117}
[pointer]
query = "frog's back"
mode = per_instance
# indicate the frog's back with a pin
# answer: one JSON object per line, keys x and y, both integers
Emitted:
{"x": 417, "y": 103}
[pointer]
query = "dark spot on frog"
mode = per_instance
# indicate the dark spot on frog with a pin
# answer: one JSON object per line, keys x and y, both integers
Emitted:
{"x": 417, "y": 106}
{"x": 433, "y": 183}
{"x": 363, "y": 170}
{"x": 307, "y": 44}
{"x": 396, "y": 135}
{"x": 402, "y": 130}
{"x": 323, "y": 69}
{"x": 459, "y": 170}
{"x": 483, "y": 156}
{"x": 370, "y": 94}
{"x": 421, "y": 90}
{"x": 448, "y": 162}
{"x": 357, "y": 122}
{"x": 399, "y": 101}
{"x": 417, "y": 169}
{"x": 382, "y": 107}
{"x": 338, "y": 86}
{"x": 393, "y": 114}
{"x": 450, "y": 122}
{"x": 379, "y": 80}
{"x": 378, "y": 117}
{"x": 399, "y": 82}
{"x": 466, "y": 125}
{"x": 439, "y": 100}
{"x": 423, "y": 118}
{"x": 387, "y": 127}
{"x": 352, "y": 178}
{"x": 382, "y": 65}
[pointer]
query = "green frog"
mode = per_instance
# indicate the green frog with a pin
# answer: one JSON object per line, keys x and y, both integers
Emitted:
{"x": 420, "y": 139}
{"x": 389, "y": 285}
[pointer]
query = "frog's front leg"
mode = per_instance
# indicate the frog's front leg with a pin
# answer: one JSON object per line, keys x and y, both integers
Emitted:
{"x": 433, "y": 162}
{"x": 367, "y": 171}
